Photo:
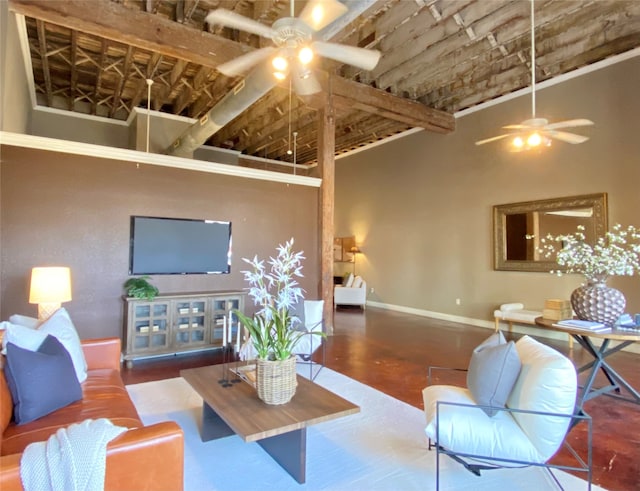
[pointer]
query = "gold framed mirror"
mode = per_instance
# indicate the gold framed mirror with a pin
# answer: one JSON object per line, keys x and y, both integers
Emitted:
{"x": 518, "y": 228}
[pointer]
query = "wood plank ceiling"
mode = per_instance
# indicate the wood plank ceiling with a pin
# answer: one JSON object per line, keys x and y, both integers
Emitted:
{"x": 438, "y": 57}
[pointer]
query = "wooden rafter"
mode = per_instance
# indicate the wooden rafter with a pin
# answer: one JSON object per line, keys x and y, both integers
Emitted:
{"x": 121, "y": 81}
{"x": 96, "y": 92}
{"x": 74, "y": 72}
{"x": 348, "y": 93}
{"x": 112, "y": 21}
{"x": 42, "y": 48}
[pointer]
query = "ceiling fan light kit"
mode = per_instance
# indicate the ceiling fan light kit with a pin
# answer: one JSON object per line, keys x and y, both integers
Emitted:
{"x": 537, "y": 133}
{"x": 294, "y": 44}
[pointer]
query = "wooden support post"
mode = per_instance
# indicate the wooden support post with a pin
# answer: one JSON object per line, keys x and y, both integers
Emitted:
{"x": 326, "y": 168}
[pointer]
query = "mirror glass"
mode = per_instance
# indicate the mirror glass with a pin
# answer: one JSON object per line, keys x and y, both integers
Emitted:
{"x": 518, "y": 228}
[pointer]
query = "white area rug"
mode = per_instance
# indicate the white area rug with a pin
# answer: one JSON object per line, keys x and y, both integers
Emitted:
{"x": 381, "y": 448}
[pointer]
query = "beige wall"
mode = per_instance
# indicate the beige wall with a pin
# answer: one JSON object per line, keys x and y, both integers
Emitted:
{"x": 421, "y": 206}
{"x": 60, "y": 209}
{"x": 65, "y": 125}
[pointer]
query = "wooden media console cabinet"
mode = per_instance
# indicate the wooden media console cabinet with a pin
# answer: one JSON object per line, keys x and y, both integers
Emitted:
{"x": 178, "y": 323}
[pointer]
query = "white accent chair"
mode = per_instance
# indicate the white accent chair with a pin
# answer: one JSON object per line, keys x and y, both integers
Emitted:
{"x": 351, "y": 294}
{"x": 539, "y": 411}
{"x": 311, "y": 321}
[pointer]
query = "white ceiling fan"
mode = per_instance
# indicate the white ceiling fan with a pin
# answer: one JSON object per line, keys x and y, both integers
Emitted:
{"x": 294, "y": 44}
{"x": 537, "y": 132}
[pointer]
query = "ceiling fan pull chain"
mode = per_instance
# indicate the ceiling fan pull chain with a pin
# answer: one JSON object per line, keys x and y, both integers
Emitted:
{"x": 289, "y": 150}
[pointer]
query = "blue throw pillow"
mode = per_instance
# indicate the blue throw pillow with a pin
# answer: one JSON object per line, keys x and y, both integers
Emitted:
{"x": 493, "y": 371}
{"x": 40, "y": 381}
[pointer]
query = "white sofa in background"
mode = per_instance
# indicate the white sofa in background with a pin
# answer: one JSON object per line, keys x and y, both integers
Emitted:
{"x": 354, "y": 292}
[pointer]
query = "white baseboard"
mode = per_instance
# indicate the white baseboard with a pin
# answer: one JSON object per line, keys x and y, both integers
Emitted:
{"x": 521, "y": 329}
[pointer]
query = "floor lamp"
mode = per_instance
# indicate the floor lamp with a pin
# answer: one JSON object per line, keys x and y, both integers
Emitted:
{"x": 355, "y": 251}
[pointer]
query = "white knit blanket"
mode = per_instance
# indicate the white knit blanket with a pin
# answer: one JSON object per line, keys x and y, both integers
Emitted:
{"x": 73, "y": 459}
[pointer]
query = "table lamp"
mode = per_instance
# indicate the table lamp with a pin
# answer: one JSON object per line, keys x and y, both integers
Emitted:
{"x": 50, "y": 286}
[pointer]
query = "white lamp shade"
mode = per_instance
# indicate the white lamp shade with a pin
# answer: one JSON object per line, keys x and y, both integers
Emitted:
{"x": 50, "y": 285}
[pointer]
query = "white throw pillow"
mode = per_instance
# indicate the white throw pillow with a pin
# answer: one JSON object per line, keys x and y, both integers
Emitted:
{"x": 349, "y": 282}
{"x": 357, "y": 282}
{"x": 60, "y": 326}
{"x": 21, "y": 336}
{"x": 24, "y": 320}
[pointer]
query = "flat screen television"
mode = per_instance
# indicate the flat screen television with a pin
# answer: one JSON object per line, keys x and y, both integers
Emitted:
{"x": 179, "y": 246}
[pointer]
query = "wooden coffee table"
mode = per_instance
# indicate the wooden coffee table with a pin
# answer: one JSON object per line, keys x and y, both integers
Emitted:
{"x": 280, "y": 430}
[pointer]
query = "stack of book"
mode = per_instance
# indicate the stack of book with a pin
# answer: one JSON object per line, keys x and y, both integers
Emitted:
{"x": 557, "y": 310}
{"x": 589, "y": 326}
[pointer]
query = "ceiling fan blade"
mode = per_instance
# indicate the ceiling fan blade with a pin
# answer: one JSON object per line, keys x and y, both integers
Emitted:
{"x": 518, "y": 127}
{"x": 305, "y": 83}
{"x": 227, "y": 18}
{"x": 318, "y": 14}
{"x": 566, "y": 137}
{"x": 488, "y": 140}
{"x": 367, "y": 59}
{"x": 571, "y": 123}
{"x": 241, "y": 64}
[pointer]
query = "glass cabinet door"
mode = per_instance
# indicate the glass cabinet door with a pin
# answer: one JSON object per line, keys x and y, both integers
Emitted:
{"x": 151, "y": 324}
{"x": 190, "y": 325}
{"x": 223, "y": 315}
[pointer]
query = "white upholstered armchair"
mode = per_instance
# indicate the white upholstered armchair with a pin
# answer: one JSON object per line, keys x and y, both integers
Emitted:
{"x": 527, "y": 426}
{"x": 354, "y": 292}
{"x": 307, "y": 345}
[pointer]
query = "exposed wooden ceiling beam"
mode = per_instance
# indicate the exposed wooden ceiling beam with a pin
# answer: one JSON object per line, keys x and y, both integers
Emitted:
{"x": 112, "y": 21}
{"x": 348, "y": 93}
{"x": 129, "y": 26}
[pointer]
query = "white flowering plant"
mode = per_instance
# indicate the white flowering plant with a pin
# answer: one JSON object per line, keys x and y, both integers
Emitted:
{"x": 275, "y": 292}
{"x": 617, "y": 253}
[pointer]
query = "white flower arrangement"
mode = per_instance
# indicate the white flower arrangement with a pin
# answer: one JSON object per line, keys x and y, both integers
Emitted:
{"x": 275, "y": 292}
{"x": 615, "y": 254}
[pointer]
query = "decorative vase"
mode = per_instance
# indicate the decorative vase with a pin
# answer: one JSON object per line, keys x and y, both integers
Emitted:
{"x": 597, "y": 302}
{"x": 276, "y": 380}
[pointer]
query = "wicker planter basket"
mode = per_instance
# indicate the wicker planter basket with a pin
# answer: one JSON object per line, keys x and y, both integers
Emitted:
{"x": 276, "y": 381}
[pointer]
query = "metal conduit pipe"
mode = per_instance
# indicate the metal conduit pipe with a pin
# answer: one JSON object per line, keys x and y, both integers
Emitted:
{"x": 248, "y": 91}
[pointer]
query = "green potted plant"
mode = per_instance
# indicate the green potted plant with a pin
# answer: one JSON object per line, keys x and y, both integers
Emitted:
{"x": 141, "y": 288}
{"x": 271, "y": 329}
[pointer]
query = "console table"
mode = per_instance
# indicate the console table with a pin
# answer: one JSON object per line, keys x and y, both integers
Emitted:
{"x": 180, "y": 322}
{"x": 599, "y": 363}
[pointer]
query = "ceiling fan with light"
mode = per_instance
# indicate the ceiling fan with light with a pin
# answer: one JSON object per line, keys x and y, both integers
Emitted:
{"x": 295, "y": 46}
{"x": 538, "y": 132}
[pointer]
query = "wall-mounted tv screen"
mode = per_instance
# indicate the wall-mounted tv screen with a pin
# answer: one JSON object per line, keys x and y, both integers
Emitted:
{"x": 179, "y": 246}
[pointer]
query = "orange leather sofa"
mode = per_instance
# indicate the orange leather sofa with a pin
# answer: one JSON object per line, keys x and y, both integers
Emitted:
{"x": 142, "y": 458}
